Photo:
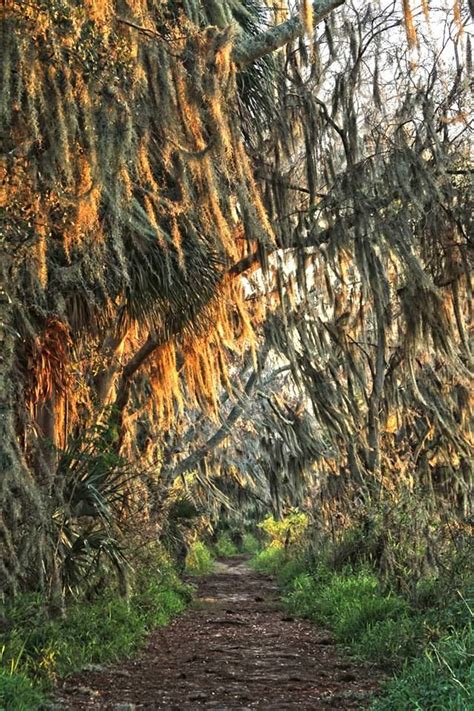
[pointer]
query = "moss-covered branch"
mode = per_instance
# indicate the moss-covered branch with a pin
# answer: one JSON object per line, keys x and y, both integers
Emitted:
{"x": 251, "y": 48}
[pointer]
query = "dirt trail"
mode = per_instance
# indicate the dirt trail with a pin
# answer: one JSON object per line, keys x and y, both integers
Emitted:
{"x": 236, "y": 648}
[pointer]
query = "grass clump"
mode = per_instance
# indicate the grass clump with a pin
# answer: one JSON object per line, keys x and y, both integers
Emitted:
{"x": 19, "y": 692}
{"x": 36, "y": 651}
{"x": 377, "y": 625}
{"x": 275, "y": 560}
{"x": 270, "y": 559}
{"x": 199, "y": 560}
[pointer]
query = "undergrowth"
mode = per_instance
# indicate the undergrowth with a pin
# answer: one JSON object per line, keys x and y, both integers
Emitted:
{"x": 36, "y": 651}
{"x": 250, "y": 543}
{"x": 199, "y": 560}
{"x": 224, "y": 545}
{"x": 425, "y": 639}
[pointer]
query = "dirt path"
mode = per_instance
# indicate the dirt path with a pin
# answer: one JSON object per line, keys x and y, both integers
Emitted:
{"x": 236, "y": 648}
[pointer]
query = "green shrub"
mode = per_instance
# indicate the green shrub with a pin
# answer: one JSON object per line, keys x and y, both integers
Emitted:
{"x": 390, "y": 641}
{"x": 354, "y": 617}
{"x": 250, "y": 544}
{"x": 275, "y": 560}
{"x": 378, "y": 626}
{"x": 270, "y": 560}
{"x": 199, "y": 559}
{"x": 290, "y": 530}
{"x": 290, "y": 569}
{"x": 224, "y": 546}
{"x": 303, "y": 596}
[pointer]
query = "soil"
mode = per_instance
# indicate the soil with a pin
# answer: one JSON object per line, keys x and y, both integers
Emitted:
{"x": 235, "y": 649}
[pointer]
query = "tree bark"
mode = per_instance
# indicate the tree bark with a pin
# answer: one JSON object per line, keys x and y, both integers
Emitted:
{"x": 251, "y": 48}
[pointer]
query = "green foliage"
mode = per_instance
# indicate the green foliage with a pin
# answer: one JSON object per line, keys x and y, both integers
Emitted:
{"x": 276, "y": 561}
{"x": 199, "y": 559}
{"x": 39, "y": 650}
{"x": 270, "y": 559}
{"x": 378, "y": 626}
{"x": 250, "y": 543}
{"x": 290, "y": 530}
{"x": 225, "y": 546}
{"x": 94, "y": 479}
{"x": 390, "y": 640}
{"x": 443, "y": 678}
{"x": 424, "y": 634}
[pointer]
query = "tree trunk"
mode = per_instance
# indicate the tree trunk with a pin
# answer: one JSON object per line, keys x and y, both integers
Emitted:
{"x": 22, "y": 511}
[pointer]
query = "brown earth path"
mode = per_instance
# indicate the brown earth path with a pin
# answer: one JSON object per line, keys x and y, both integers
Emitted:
{"x": 234, "y": 649}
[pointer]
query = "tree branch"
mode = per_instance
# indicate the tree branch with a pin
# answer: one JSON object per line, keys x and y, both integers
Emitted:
{"x": 123, "y": 390}
{"x": 251, "y": 48}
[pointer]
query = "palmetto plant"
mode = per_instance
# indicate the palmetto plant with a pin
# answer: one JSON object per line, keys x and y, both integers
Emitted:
{"x": 93, "y": 482}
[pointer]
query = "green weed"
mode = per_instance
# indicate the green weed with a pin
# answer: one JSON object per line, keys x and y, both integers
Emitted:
{"x": 443, "y": 678}
{"x": 250, "y": 544}
{"x": 350, "y": 602}
{"x": 18, "y": 692}
{"x": 270, "y": 560}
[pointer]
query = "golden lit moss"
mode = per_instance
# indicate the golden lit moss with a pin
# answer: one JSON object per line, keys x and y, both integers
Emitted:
{"x": 426, "y": 9}
{"x": 49, "y": 363}
{"x": 165, "y": 384}
{"x": 457, "y": 15}
{"x": 177, "y": 242}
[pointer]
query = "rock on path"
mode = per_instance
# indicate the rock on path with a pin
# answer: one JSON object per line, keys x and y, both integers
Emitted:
{"x": 234, "y": 649}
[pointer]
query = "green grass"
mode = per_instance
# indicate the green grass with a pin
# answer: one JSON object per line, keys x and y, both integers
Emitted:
{"x": 270, "y": 560}
{"x": 18, "y": 692}
{"x": 442, "y": 679}
{"x": 250, "y": 544}
{"x": 378, "y": 626}
{"x": 38, "y": 651}
{"x": 199, "y": 560}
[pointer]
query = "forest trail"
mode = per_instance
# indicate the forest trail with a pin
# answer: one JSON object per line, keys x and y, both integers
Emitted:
{"x": 234, "y": 649}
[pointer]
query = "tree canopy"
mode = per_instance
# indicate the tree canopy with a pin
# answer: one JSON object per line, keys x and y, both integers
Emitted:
{"x": 211, "y": 208}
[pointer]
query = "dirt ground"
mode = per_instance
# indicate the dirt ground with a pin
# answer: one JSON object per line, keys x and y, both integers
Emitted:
{"x": 235, "y": 648}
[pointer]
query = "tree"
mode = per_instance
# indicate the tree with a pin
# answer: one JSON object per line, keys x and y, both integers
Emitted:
{"x": 369, "y": 278}
{"x": 123, "y": 165}
{"x": 156, "y": 153}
